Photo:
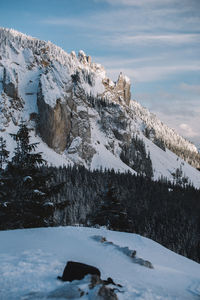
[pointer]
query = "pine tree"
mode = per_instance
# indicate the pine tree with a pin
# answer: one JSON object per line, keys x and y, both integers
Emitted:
{"x": 25, "y": 157}
{"x": 4, "y": 153}
{"x": 29, "y": 185}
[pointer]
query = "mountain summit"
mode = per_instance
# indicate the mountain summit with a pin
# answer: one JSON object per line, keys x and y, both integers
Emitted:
{"x": 80, "y": 116}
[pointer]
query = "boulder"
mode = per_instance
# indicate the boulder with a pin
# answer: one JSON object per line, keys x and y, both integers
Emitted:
{"x": 77, "y": 271}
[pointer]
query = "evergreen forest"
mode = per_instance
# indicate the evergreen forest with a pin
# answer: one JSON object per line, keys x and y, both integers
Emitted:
{"x": 33, "y": 194}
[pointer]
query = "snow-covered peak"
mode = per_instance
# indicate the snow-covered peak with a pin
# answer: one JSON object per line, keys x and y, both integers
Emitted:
{"x": 17, "y": 41}
{"x": 82, "y": 56}
{"x": 124, "y": 78}
{"x": 10, "y": 33}
{"x": 71, "y": 99}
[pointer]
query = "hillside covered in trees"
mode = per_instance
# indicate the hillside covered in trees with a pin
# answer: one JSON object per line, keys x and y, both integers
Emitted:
{"x": 33, "y": 194}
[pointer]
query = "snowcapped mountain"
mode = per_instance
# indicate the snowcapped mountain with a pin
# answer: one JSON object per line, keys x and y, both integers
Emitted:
{"x": 31, "y": 260}
{"x": 80, "y": 116}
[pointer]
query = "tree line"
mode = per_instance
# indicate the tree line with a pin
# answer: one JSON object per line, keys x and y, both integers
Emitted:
{"x": 33, "y": 194}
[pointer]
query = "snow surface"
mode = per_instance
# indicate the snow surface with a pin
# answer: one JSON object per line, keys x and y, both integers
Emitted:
{"x": 166, "y": 162}
{"x": 103, "y": 158}
{"x": 31, "y": 260}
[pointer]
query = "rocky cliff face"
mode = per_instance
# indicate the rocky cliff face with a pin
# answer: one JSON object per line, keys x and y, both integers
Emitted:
{"x": 118, "y": 92}
{"x": 65, "y": 122}
{"x": 82, "y": 114}
{"x": 11, "y": 103}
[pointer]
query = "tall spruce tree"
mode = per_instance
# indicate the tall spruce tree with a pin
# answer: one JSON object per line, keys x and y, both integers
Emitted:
{"x": 28, "y": 186}
{"x": 4, "y": 153}
{"x": 25, "y": 158}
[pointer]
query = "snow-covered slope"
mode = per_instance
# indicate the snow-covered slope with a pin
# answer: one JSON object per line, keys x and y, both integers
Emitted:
{"x": 82, "y": 116}
{"x": 31, "y": 260}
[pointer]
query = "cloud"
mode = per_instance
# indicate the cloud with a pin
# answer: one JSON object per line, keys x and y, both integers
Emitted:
{"x": 117, "y": 29}
{"x": 167, "y": 38}
{"x": 64, "y": 22}
{"x": 187, "y": 130}
{"x": 118, "y": 61}
{"x": 153, "y": 73}
{"x": 147, "y": 3}
{"x": 138, "y": 3}
{"x": 191, "y": 88}
{"x": 136, "y": 20}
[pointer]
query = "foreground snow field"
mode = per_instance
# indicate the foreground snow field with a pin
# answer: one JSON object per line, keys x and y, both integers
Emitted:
{"x": 31, "y": 259}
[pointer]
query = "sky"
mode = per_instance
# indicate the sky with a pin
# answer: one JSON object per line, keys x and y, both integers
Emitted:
{"x": 156, "y": 43}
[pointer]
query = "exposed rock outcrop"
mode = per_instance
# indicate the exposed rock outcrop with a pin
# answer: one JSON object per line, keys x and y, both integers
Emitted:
{"x": 54, "y": 123}
{"x": 11, "y": 104}
{"x": 66, "y": 125}
{"x": 123, "y": 88}
{"x": 10, "y": 83}
{"x": 119, "y": 92}
{"x": 83, "y": 58}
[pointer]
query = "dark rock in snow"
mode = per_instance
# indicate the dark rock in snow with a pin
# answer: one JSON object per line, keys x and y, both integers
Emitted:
{"x": 77, "y": 271}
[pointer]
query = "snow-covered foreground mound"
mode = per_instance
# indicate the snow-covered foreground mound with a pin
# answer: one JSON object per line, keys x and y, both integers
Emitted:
{"x": 31, "y": 259}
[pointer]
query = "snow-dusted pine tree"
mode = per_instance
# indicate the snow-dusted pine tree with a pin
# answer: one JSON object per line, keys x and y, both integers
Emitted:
{"x": 4, "y": 153}
{"x": 28, "y": 185}
{"x": 25, "y": 158}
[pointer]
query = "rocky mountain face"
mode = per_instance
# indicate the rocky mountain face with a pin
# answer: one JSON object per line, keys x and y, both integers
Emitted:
{"x": 82, "y": 115}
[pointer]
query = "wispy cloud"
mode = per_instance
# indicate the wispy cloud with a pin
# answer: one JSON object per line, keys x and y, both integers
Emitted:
{"x": 167, "y": 38}
{"x": 122, "y": 29}
{"x": 155, "y": 43}
{"x": 135, "y": 2}
{"x": 138, "y": 20}
{"x": 191, "y": 88}
{"x": 147, "y": 3}
{"x": 187, "y": 130}
{"x": 153, "y": 73}
{"x": 118, "y": 61}
{"x": 65, "y": 22}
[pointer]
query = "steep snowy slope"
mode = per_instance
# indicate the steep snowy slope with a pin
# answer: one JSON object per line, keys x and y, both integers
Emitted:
{"x": 31, "y": 260}
{"x": 80, "y": 116}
